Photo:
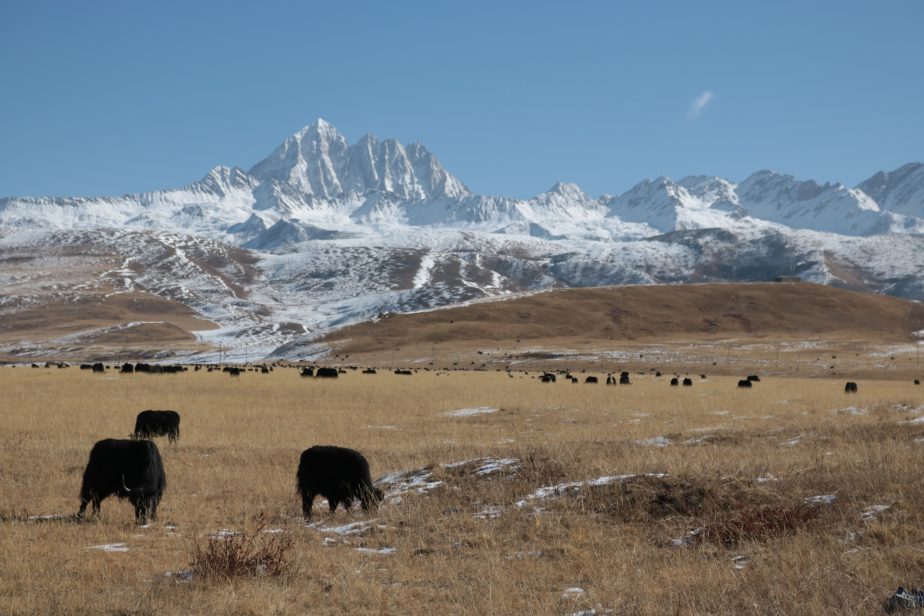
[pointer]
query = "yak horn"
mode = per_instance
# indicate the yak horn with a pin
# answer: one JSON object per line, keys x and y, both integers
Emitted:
{"x": 127, "y": 489}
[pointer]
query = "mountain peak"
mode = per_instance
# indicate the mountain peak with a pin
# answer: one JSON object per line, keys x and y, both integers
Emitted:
{"x": 569, "y": 190}
{"x": 318, "y": 161}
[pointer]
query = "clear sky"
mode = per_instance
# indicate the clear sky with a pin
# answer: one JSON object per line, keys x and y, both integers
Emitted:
{"x": 110, "y": 97}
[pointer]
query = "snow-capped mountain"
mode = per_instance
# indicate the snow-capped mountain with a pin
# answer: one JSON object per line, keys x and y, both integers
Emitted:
{"x": 323, "y": 233}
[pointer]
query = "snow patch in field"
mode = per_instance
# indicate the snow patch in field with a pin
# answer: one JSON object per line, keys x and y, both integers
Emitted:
{"x": 51, "y": 517}
{"x": 489, "y": 513}
{"x": 180, "y": 576}
{"x": 740, "y": 562}
{"x": 379, "y": 551}
{"x": 570, "y": 593}
{"x": 874, "y": 511}
{"x": 821, "y": 499}
{"x": 852, "y": 410}
{"x": 470, "y": 412}
{"x": 688, "y": 538}
{"x": 356, "y": 529}
{"x": 110, "y": 547}
{"x": 418, "y": 481}
{"x": 573, "y": 487}
{"x": 224, "y": 533}
{"x": 655, "y": 441}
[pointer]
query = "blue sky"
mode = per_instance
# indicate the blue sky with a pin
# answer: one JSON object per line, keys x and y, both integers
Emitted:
{"x": 107, "y": 97}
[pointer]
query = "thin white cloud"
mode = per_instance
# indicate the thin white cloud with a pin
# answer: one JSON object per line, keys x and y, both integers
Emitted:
{"x": 699, "y": 104}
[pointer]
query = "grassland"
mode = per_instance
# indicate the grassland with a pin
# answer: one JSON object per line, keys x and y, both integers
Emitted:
{"x": 738, "y": 466}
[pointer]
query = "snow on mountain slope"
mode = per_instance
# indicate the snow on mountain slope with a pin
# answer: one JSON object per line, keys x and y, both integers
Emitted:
{"x": 809, "y": 205}
{"x": 900, "y": 191}
{"x": 323, "y": 233}
{"x": 317, "y": 160}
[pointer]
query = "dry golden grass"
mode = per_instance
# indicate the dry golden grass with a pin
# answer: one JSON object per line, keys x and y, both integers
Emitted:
{"x": 241, "y": 438}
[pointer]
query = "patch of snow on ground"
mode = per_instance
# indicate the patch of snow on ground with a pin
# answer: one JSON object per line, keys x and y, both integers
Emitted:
{"x": 874, "y": 511}
{"x": 380, "y": 551}
{"x": 489, "y": 513}
{"x": 110, "y": 547}
{"x": 180, "y": 576}
{"x": 793, "y": 442}
{"x": 821, "y": 499}
{"x": 656, "y": 441}
{"x": 767, "y": 478}
{"x": 573, "y": 487}
{"x": 570, "y": 593}
{"x": 478, "y": 410}
{"x": 852, "y": 410}
{"x": 224, "y": 533}
{"x": 354, "y": 528}
{"x": 740, "y": 562}
{"x": 49, "y": 517}
{"x": 688, "y": 538}
{"x": 419, "y": 481}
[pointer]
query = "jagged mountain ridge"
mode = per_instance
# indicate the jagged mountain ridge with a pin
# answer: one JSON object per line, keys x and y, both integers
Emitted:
{"x": 340, "y": 233}
{"x": 316, "y": 177}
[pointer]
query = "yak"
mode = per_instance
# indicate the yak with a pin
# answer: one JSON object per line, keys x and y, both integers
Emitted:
{"x": 850, "y": 388}
{"x": 129, "y": 469}
{"x": 675, "y": 382}
{"x": 338, "y": 474}
{"x": 688, "y": 382}
{"x": 744, "y": 384}
{"x": 149, "y": 424}
{"x": 327, "y": 373}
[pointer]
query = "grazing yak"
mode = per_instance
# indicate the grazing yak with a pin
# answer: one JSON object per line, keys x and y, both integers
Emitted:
{"x": 327, "y": 373}
{"x": 744, "y": 384}
{"x": 307, "y": 371}
{"x": 591, "y": 379}
{"x": 339, "y": 475}
{"x": 688, "y": 382}
{"x": 369, "y": 371}
{"x": 548, "y": 377}
{"x": 675, "y": 382}
{"x": 128, "y": 469}
{"x": 149, "y": 424}
{"x": 624, "y": 379}
{"x": 850, "y": 388}
{"x": 754, "y": 378}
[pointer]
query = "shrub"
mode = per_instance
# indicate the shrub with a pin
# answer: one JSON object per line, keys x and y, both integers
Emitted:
{"x": 249, "y": 553}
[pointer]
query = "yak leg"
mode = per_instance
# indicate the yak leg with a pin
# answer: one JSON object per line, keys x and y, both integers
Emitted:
{"x": 307, "y": 502}
{"x": 333, "y": 502}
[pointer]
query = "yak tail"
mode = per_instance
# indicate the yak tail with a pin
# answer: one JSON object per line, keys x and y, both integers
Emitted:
{"x": 125, "y": 487}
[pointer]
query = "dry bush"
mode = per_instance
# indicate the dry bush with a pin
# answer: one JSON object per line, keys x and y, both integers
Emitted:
{"x": 248, "y": 553}
{"x": 759, "y": 524}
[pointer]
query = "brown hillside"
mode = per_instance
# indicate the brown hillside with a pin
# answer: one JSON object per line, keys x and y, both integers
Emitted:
{"x": 632, "y": 316}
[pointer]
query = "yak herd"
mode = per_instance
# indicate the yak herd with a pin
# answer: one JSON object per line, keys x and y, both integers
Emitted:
{"x": 133, "y": 469}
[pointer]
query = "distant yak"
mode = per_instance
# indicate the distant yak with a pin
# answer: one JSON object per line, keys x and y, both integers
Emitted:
{"x": 688, "y": 382}
{"x": 338, "y": 474}
{"x": 128, "y": 469}
{"x": 149, "y": 424}
{"x": 744, "y": 384}
{"x": 850, "y": 388}
{"x": 327, "y": 373}
{"x": 675, "y": 382}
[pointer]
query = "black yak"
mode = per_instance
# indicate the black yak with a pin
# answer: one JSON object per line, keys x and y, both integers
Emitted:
{"x": 149, "y": 424}
{"x": 327, "y": 373}
{"x": 850, "y": 388}
{"x": 675, "y": 382}
{"x": 688, "y": 382}
{"x": 339, "y": 475}
{"x": 744, "y": 384}
{"x": 128, "y": 469}
{"x": 591, "y": 379}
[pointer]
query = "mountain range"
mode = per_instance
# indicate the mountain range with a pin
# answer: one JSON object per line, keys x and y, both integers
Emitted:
{"x": 322, "y": 233}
